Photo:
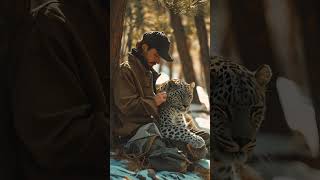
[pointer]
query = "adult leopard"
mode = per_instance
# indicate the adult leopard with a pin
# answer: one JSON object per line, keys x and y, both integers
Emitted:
{"x": 237, "y": 108}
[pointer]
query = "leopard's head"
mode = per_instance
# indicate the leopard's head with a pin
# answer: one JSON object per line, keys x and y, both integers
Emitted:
{"x": 237, "y": 108}
{"x": 180, "y": 94}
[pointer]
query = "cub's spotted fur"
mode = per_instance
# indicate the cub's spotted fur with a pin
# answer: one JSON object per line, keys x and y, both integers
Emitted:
{"x": 172, "y": 113}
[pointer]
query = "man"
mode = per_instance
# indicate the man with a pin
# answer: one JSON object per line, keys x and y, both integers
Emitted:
{"x": 60, "y": 93}
{"x": 134, "y": 87}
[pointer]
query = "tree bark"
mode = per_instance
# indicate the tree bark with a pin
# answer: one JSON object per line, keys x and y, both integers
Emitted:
{"x": 116, "y": 29}
{"x": 213, "y": 27}
{"x": 204, "y": 47}
{"x": 186, "y": 61}
{"x": 129, "y": 14}
{"x": 171, "y": 52}
{"x": 252, "y": 39}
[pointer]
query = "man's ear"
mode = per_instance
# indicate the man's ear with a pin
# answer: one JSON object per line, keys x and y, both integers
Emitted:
{"x": 145, "y": 47}
{"x": 263, "y": 74}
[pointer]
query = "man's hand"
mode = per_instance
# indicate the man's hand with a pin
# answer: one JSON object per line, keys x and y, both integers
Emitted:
{"x": 160, "y": 98}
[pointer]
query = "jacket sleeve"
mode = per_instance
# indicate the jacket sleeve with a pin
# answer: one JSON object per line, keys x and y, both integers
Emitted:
{"x": 53, "y": 115}
{"x": 127, "y": 98}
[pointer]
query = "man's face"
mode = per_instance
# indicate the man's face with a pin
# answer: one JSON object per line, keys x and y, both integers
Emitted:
{"x": 152, "y": 56}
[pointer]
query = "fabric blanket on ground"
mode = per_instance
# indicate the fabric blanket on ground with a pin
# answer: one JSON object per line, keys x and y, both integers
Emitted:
{"x": 119, "y": 171}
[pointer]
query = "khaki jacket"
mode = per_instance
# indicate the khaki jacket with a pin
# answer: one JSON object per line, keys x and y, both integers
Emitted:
{"x": 133, "y": 95}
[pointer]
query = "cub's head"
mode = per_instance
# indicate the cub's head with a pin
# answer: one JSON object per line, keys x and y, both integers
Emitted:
{"x": 180, "y": 94}
{"x": 237, "y": 107}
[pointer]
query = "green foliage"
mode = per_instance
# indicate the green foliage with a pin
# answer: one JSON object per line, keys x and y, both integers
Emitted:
{"x": 184, "y": 7}
{"x": 145, "y": 15}
{"x": 153, "y": 15}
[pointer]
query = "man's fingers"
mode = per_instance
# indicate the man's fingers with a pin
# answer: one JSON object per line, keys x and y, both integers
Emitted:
{"x": 165, "y": 96}
{"x": 161, "y": 97}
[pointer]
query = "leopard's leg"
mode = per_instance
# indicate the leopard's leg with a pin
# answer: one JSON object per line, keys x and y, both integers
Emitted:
{"x": 180, "y": 120}
{"x": 178, "y": 133}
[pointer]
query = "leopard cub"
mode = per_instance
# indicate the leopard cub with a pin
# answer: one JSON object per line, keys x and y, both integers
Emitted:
{"x": 173, "y": 111}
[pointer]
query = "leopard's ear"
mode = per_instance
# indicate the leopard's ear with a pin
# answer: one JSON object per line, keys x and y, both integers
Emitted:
{"x": 171, "y": 83}
{"x": 163, "y": 86}
{"x": 263, "y": 74}
{"x": 192, "y": 85}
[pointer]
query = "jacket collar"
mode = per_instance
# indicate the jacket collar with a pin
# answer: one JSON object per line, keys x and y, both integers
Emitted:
{"x": 135, "y": 58}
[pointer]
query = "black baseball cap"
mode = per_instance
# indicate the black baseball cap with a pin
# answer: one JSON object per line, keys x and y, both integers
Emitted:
{"x": 159, "y": 41}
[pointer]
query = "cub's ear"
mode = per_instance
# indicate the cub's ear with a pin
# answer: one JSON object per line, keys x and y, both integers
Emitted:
{"x": 172, "y": 82}
{"x": 192, "y": 85}
{"x": 164, "y": 86}
{"x": 263, "y": 74}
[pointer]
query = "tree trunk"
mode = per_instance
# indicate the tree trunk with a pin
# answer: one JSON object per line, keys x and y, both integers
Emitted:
{"x": 282, "y": 20}
{"x": 204, "y": 47}
{"x": 309, "y": 12}
{"x": 213, "y": 27}
{"x": 129, "y": 42}
{"x": 252, "y": 39}
{"x": 139, "y": 16}
{"x": 171, "y": 64}
{"x": 186, "y": 61}
{"x": 130, "y": 27}
{"x": 116, "y": 29}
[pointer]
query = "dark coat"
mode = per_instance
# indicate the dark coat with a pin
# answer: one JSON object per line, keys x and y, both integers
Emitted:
{"x": 60, "y": 93}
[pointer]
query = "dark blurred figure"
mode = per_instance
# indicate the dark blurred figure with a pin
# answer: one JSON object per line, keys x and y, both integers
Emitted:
{"x": 12, "y": 13}
{"x": 59, "y": 96}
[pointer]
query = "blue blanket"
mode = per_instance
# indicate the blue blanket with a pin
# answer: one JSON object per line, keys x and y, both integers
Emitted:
{"x": 118, "y": 171}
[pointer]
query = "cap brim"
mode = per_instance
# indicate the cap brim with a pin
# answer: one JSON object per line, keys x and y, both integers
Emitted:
{"x": 165, "y": 56}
